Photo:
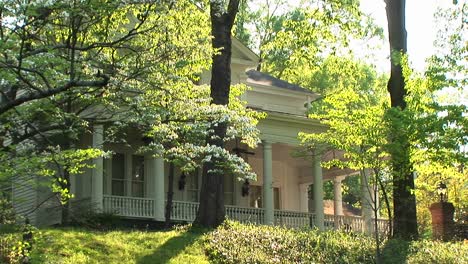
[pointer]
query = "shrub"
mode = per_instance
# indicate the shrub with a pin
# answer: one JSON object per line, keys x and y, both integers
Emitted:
{"x": 238, "y": 243}
{"x": 233, "y": 242}
{"x": 425, "y": 251}
{"x": 7, "y": 213}
{"x": 16, "y": 240}
{"x": 89, "y": 218}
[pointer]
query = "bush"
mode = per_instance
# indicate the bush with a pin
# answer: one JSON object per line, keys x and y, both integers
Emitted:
{"x": 15, "y": 239}
{"x": 7, "y": 213}
{"x": 233, "y": 242}
{"x": 237, "y": 243}
{"x": 86, "y": 216}
{"x": 13, "y": 247}
{"x": 425, "y": 251}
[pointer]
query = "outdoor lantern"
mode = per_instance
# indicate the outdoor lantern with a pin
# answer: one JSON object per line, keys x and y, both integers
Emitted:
{"x": 245, "y": 188}
{"x": 442, "y": 191}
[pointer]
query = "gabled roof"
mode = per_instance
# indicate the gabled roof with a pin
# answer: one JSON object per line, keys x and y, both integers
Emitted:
{"x": 256, "y": 77}
{"x": 244, "y": 52}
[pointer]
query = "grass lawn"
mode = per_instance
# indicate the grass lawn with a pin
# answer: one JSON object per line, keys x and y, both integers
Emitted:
{"x": 67, "y": 245}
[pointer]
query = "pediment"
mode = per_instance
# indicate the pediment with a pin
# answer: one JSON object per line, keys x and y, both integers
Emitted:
{"x": 241, "y": 54}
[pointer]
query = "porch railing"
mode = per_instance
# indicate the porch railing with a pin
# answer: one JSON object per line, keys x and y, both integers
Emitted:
{"x": 294, "y": 219}
{"x": 245, "y": 214}
{"x": 184, "y": 211}
{"x": 187, "y": 211}
{"x": 128, "y": 206}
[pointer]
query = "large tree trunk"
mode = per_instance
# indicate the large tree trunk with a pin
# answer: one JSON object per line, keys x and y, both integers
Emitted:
{"x": 404, "y": 201}
{"x": 211, "y": 211}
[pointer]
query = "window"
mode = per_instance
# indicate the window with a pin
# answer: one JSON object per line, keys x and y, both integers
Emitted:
{"x": 124, "y": 182}
{"x": 118, "y": 174}
{"x": 138, "y": 176}
{"x": 192, "y": 186}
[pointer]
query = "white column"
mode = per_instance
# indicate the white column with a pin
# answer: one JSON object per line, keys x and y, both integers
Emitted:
{"x": 318, "y": 192}
{"x": 366, "y": 201}
{"x": 157, "y": 169}
{"x": 337, "y": 196}
{"x": 304, "y": 197}
{"x": 268, "y": 183}
{"x": 97, "y": 171}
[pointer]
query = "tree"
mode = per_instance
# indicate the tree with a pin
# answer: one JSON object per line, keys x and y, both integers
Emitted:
{"x": 293, "y": 43}
{"x": 356, "y": 127}
{"x": 404, "y": 201}
{"x": 442, "y": 155}
{"x": 180, "y": 132}
{"x": 211, "y": 211}
{"x": 68, "y": 64}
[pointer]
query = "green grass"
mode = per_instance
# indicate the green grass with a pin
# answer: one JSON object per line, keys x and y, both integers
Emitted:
{"x": 84, "y": 246}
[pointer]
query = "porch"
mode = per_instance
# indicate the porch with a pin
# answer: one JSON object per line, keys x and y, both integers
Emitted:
{"x": 186, "y": 211}
{"x": 288, "y": 190}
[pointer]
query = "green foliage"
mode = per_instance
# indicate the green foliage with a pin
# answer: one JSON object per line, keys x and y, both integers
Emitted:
{"x": 425, "y": 251}
{"x": 268, "y": 244}
{"x": 350, "y": 189}
{"x": 16, "y": 239}
{"x": 234, "y": 243}
{"x": 180, "y": 126}
{"x": 7, "y": 213}
{"x": 355, "y": 121}
{"x": 115, "y": 63}
{"x": 293, "y": 39}
{"x": 448, "y": 67}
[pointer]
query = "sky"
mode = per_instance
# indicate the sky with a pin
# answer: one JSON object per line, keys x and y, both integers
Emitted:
{"x": 420, "y": 28}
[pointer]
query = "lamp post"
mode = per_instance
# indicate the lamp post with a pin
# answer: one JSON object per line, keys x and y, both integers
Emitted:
{"x": 442, "y": 215}
{"x": 442, "y": 191}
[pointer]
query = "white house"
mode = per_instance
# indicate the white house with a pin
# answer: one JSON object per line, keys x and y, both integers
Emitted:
{"x": 135, "y": 186}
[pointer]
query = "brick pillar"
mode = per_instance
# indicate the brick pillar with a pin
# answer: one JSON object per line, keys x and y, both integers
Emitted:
{"x": 442, "y": 220}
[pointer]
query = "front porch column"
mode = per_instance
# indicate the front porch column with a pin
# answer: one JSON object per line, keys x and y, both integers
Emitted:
{"x": 318, "y": 192}
{"x": 269, "y": 218}
{"x": 304, "y": 197}
{"x": 337, "y": 196}
{"x": 366, "y": 201}
{"x": 97, "y": 171}
{"x": 157, "y": 169}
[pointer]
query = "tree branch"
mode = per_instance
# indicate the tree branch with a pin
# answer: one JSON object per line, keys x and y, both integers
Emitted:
{"x": 43, "y": 94}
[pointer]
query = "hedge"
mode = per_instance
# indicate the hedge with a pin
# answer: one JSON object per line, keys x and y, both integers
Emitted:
{"x": 233, "y": 242}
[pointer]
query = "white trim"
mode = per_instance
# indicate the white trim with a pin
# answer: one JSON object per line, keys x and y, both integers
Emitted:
{"x": 245, "y": 50}
{"x": 274, "y": 90}
{"x": 243, "y": 62}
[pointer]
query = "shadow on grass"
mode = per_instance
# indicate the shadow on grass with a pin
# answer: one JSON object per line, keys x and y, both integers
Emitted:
{"x": 395, "y": 251}
{"x": 172, "y": 247}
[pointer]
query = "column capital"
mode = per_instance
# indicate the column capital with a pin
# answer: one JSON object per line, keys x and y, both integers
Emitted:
{"x": 338, "y": 178}
{"x": 266, "y": 143}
